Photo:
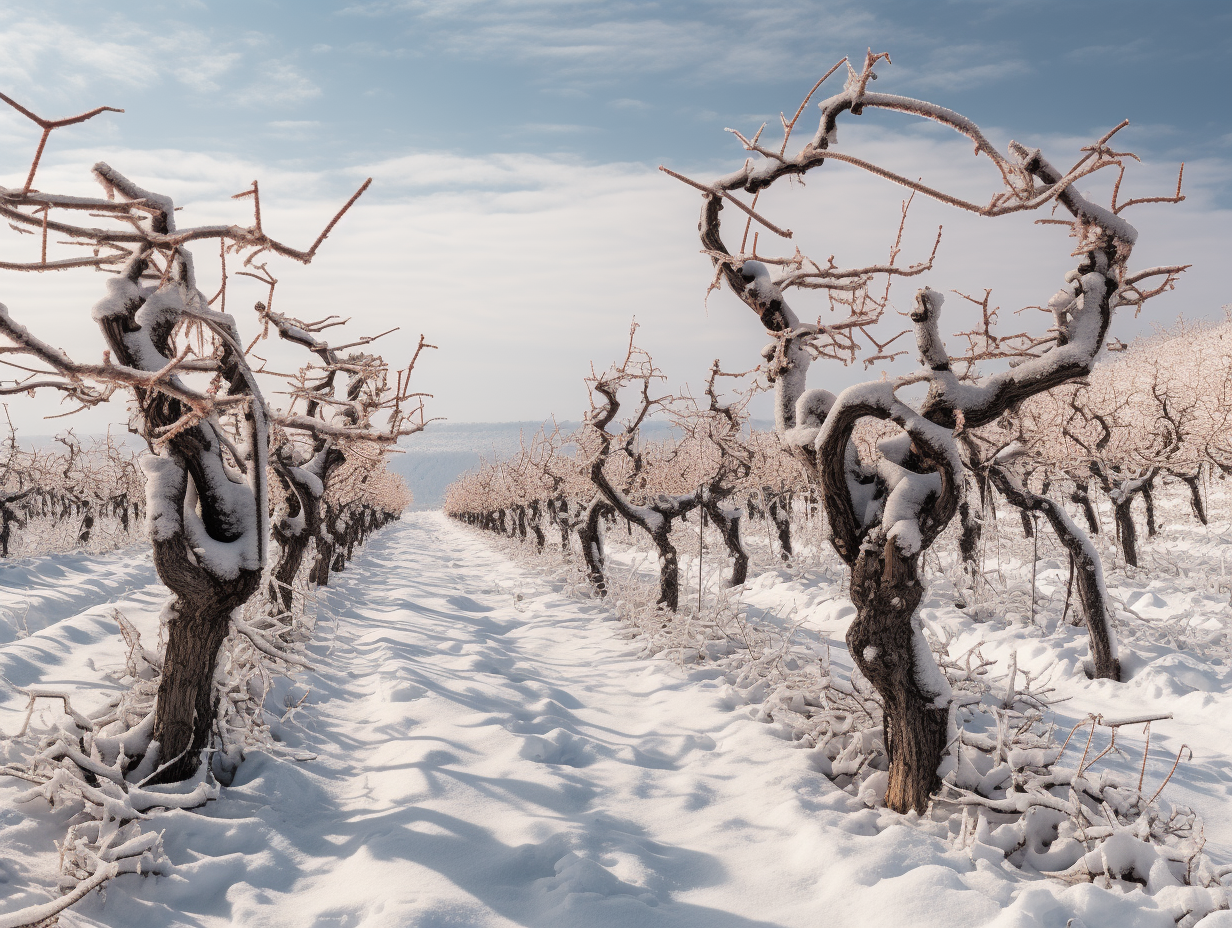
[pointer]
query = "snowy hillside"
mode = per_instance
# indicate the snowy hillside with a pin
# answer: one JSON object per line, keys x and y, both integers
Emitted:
{"x": 481, "y": 746}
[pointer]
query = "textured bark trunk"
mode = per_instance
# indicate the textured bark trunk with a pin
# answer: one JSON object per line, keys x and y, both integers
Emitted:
{"x": 560, "y": 516}
{"x": 319, "y": 573}
{"x": 1195, "y": 497}
{"x": 590, "y": 535}
{"x": 969, "y": 539}
{"x": 780, "y": 514}
{"x": 886, "y": 591}
{"x": 1148, "y": 497}
{"x": 536, "y": 518}
{"x": 669, "y": 568}
{"x": 199, "y": 618}
{"x": 7, "y": 518}
{"x": 186, "y": 699}
{"x": 1127, "y": 534}
{"x": 1086, "y": 570}
{"x": 1093, "y": 597}
{"x": 292, "y": 551}
{"x": 1081, "y": 497}
{"x": 729, "y": 528}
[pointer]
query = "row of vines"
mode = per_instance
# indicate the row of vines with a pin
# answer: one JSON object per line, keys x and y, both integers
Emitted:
{"x": 248, "y": 507}
{"x": 1067, "y": 432}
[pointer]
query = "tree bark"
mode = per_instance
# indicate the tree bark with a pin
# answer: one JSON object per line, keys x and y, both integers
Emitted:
{"x": 198, "y": 619}
{"x": 669, "y": 568}
{"x": 1092, "y": 594}
{"x": 728, "y": 524}
{"x": 559, "y": 514}
{"x": 196, "y": 630}
{"x": 1148, "y": 497}
{"x": 590, "y": 535}
{"x": 1195, "y": 496}
{"x": 319, "y": 573}
{"x": 535, "y": 526}
{"x": 886, "y": 591}
{"x": 969, "y": 539}
{"x": 780, "y": 514}
{"x": 1126, "y": 532}
{"x": 1081, "y": 496}
{"x": 293, "y": 545}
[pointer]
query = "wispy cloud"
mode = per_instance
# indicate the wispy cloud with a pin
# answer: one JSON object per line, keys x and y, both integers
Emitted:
{"x": 279, "y": 83}
{"x": 49, "y": 57}
{"x": 552, "y": 128}
{"x": 48, "y": 54}
{"x": 294, "y": 129}
{"x": 961, "y": 67}
{"x": 593, "y": 41}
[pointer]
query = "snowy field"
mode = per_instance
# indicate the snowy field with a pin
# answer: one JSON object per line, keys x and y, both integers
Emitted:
{"x": 490, "y": 748}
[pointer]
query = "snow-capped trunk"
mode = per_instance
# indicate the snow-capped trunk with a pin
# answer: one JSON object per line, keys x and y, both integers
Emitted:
{"x": 536, "y": 524}
{"x": 590, "y": 536}
{"x": 780, "y": 514}
{"x": 886, "y": 644}
{"x": 969, "y": 537}
{"x": 911, "y": 495}
{"x": 1081, "y": 496}
{"x": 1194, "y": 482}
{"x": 669, "y": 567}
{"x": 206, "y": 500}
{"x": 1127, "y": 533}
{"x": 198, "y": 619}
{"x": 1088, "y": 571}
{"x": 728, "y": 524}
{"x": 294, "y": 532}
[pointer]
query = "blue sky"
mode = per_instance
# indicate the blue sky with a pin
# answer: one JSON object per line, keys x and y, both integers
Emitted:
{"x": 517, "y": 217}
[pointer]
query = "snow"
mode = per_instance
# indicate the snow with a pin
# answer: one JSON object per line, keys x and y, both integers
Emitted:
{"x": 491, "y": 751}
{"x": 166, "y": 484}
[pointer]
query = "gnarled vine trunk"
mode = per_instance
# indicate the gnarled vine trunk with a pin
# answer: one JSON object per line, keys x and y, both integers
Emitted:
{"x": 1088, "y": 572}
{"x": 885, "y": 641}
{"x": 728, "y": 524}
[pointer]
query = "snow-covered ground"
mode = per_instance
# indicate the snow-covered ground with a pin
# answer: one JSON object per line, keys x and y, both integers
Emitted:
{"x": 491, "y": 751}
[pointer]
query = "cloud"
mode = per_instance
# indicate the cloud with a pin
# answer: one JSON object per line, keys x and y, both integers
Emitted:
{"x": 593, "y": 41}
{"x": 38, "y": 52}
{"x": 951, "y": 68}
{"x": 294, "y": 129}
{"x": 552, "y": 128}
{"x": 47, "y": 59}
{"x": 280, "y": 83}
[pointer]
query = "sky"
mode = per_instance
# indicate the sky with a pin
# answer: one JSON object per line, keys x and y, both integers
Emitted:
{"x": 517, "y": 217}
